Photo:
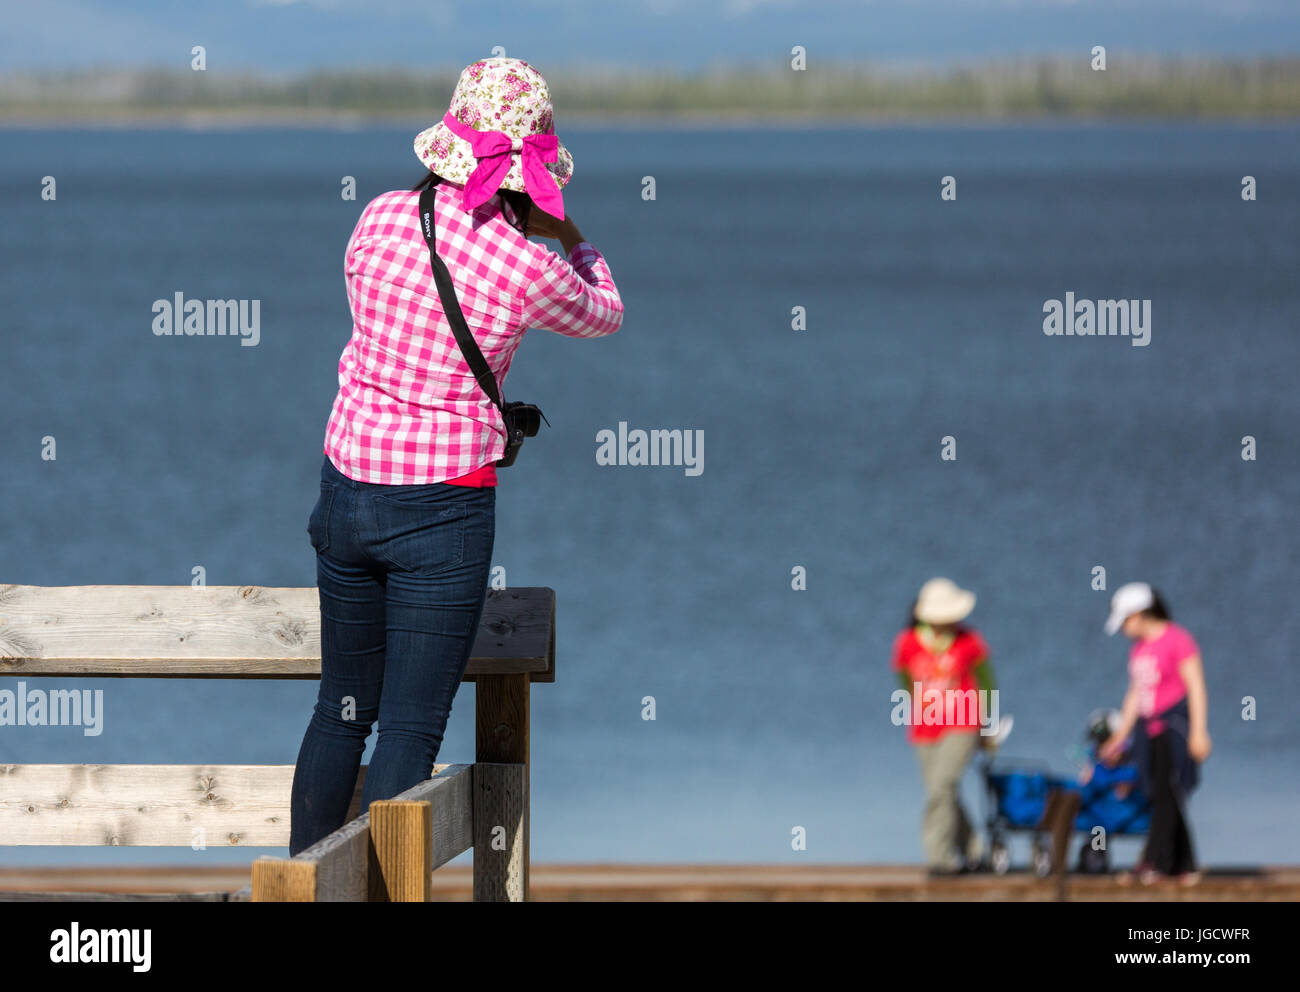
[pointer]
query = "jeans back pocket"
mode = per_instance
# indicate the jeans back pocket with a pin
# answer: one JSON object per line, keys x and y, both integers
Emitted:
{"x": 318, "y": 525}
{"x": 421, "y": 536}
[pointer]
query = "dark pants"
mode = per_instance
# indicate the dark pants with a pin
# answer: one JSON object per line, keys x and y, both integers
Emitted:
{"x": 1169, "y": 844}
{"x": 402, "y": 573}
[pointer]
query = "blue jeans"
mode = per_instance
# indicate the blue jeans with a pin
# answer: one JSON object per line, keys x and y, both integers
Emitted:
{"x": 402, "y": 573}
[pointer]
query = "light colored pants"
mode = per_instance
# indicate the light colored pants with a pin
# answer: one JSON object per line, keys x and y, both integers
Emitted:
{"x": 946, "y": 834}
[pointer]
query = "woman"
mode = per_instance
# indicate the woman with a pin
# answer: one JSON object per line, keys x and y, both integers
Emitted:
{"x": 936, "y": 652}
{"x": 404, "y": 526}
{"x": 1167, "y": 701}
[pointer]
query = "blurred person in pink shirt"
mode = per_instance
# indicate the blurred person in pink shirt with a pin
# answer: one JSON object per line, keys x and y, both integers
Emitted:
{"x": 1168, "y": 705}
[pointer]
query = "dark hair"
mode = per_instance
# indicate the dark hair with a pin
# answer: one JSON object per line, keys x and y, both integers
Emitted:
{"x": 520, "y": 203}
{"x": 1157, "y": 610}
{"x": 911, "y": 614}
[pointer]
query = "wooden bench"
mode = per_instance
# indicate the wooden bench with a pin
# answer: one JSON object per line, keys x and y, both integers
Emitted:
{"x": 253, "y": 632}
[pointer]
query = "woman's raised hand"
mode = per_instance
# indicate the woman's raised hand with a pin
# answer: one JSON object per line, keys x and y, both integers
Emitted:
{"x": 542, "y": 224}
{"x": 546, "y": 225}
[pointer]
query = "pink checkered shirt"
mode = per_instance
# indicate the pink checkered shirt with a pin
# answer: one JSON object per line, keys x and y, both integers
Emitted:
{"x": 408, "y": 409}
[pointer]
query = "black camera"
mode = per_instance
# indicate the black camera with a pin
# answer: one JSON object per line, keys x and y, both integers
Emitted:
{"x": 522, "y": 420}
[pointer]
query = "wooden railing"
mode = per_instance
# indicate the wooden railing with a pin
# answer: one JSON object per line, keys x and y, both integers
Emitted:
{"x": 252, "y": 632}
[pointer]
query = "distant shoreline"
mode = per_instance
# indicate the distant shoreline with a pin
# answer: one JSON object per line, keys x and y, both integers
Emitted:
{"x": 857, "y": 92}
{"x": 345, "y": 120}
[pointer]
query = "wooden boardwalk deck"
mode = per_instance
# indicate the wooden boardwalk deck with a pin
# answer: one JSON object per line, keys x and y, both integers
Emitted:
{"x": 671, "y": 883}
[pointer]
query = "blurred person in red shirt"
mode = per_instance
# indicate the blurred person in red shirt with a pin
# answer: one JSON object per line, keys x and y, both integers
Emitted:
{"x": 937, "y": 657}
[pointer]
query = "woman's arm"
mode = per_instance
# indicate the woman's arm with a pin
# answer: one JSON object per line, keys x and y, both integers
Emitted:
{"x": 1128, "y": 716}
{"x": 576, "y": 296}
{"x": 898, "y": 662}
{"x": 1198, "y": 707}
{"x": 983, "y": 672}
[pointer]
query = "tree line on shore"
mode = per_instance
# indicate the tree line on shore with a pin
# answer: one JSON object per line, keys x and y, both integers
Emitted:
{"x": 990, "y": 89}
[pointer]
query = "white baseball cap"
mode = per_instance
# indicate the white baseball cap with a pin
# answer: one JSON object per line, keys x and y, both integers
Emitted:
{"x": 1128, "y": 599}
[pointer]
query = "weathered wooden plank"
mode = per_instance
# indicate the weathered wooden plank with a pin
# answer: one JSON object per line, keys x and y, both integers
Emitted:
{"x": 149, "y": 805}
{"x": 114, "y": 897}
{"x": 516, "y": 635}
{"x": 227, "y": 632}
{"x": 500, "y": 858}
{"x": 451, "y": 798}
{"x": 344, "y": 862}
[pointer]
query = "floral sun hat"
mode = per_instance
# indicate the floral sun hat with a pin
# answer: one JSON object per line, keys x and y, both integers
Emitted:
{"x": 499, "y": 132}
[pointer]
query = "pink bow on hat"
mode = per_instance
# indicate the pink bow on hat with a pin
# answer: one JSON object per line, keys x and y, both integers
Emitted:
{"x": 493, "y": 150}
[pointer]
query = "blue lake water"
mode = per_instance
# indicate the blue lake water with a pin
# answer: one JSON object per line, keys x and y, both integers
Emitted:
{"x": 924, "y": 320}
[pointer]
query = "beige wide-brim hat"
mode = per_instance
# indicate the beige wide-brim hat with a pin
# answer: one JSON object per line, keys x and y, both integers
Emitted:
{"x": 497, "y": 94}
{"x": 943, "y": 601}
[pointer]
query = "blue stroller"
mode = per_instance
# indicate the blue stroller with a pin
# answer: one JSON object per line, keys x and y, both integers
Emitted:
{"x": 1017, "y": 797}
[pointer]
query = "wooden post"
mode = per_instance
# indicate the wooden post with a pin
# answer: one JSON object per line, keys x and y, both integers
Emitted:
{"x": 1059, "y": 817}
{"x": 501, "y": 737}
{"x": 500, "y": 863}
{"x": 402, "y": 834}
{"x": 354, "y": 864}
{"x": 279, "y": 880}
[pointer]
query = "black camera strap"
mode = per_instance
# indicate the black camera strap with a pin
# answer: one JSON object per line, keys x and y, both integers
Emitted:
{"x": 451, "y": 306}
